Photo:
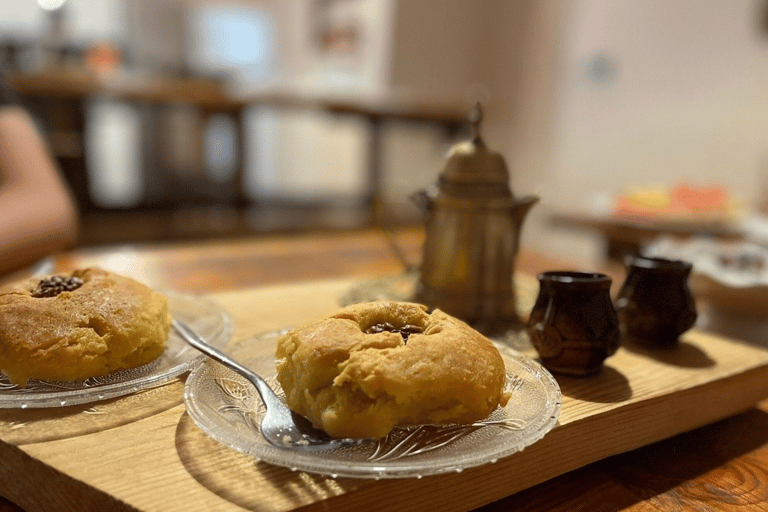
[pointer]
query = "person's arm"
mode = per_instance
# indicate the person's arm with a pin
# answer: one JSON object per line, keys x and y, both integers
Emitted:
{"x": 38, "y": 215}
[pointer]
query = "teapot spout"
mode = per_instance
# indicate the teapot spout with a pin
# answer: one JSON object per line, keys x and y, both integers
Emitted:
{"x": 522, "y": 208}
{"x": 519, "y": 212}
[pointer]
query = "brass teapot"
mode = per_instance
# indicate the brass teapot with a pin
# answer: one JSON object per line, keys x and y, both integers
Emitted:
{"x": 473, "y": 226}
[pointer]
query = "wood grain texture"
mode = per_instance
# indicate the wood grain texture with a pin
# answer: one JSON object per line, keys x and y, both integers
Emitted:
{"x": 162, "y": 461}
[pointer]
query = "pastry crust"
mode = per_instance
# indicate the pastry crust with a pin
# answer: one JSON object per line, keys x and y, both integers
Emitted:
{"x": 354, "y": 384}
{"x": 107, "y": 323}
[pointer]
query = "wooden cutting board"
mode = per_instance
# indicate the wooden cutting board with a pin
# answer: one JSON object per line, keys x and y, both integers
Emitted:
{"x": 144, "y": 452}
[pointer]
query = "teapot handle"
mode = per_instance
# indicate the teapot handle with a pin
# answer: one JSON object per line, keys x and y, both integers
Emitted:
{"x": 423, "y": 199}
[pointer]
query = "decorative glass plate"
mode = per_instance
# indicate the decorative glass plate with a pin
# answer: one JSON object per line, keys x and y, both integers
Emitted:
{"x": 204, "y": 316}
{"x": 227, "y": 408}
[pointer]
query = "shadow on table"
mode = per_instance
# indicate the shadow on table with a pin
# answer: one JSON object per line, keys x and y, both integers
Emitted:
{"x": 611, "y": 386}
{"x": 684, "y": 354}
{"x": 23, "y": 426}
{"x": 705, "y": 466}
{"x": 608, "y": 386}
{"x": 709, "y": 468}
{"x": 246, "y": 482}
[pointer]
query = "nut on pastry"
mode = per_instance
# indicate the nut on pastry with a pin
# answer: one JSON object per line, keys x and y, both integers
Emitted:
{"x": 378, "y": 365}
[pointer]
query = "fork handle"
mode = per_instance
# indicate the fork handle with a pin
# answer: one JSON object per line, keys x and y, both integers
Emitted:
{"x": 266, "y": 393}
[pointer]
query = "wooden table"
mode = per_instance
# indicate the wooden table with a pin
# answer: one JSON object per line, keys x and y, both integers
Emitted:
{"x": 721, "y": 466}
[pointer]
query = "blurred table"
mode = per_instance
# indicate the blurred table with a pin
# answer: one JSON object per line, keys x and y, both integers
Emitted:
{"x": 59, "y": 97}
{"x": 376, "y": 110}
{"x": 722, "y": 466}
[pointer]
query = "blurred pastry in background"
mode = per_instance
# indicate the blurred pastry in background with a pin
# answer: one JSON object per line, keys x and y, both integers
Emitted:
{"x": 681, "y": 203}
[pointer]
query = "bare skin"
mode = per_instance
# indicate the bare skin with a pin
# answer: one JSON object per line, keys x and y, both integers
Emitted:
{"x": 38, "y": 215}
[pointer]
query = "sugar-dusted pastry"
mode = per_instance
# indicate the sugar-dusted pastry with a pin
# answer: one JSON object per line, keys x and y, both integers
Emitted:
{"x": 378, "y": 365}
{"x": 71, "y": 327}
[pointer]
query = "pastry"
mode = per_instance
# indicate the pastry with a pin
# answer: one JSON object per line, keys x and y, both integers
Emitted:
{"x": 378, "y": 365}
{"x": 72, "y": 327}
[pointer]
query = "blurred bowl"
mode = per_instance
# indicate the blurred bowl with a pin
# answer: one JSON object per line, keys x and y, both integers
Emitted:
{"x": 741, "y": 300}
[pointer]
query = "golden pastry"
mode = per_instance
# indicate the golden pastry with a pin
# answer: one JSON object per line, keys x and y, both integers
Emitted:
{"x": 72, "y": 327}
{"x": 378, "y": 365}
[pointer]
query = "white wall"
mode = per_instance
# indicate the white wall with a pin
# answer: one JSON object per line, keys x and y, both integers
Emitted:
{"x": 686, "y": 101}
{"x": 88, "y": 20}
{"x": 440, "y": 47}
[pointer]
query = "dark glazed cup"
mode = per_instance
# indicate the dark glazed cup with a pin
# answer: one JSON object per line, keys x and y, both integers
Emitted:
{"x": 573, "y": 324}
{"x": 655, "y": 304}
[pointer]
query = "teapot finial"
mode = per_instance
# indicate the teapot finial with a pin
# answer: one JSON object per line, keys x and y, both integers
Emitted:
{"x": 475, "y": 119}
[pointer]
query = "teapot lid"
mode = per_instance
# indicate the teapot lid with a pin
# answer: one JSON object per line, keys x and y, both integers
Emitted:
{"x": 472, "y": 170}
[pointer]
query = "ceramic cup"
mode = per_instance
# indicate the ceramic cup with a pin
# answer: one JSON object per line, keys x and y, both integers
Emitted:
{"x": 573, "y": 325}
{"x": 655, "y": 304}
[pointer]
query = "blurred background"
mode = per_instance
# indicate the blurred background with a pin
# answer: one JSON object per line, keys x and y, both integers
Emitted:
{"x": 181, "y": 119}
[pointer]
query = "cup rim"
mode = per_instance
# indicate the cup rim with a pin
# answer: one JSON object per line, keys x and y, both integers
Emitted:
{"x": 574, "y": 276}
{"x": 657, "y": 263}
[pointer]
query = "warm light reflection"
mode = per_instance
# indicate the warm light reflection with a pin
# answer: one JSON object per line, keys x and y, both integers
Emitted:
{"x": 120, "y": 263}
{"x": 128, "y": 263}
{"x": 51, "y": 5}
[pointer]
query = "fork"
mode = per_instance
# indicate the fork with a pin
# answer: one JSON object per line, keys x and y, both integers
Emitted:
{"x": 279, "y": 426}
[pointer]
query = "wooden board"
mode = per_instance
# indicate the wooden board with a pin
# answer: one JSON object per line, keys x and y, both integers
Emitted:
{"x": 144, "y": 452}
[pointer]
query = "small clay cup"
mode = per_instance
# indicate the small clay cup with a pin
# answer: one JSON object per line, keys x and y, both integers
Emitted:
{"x": 655, "y": 304}
{"x": 573, "y": 325}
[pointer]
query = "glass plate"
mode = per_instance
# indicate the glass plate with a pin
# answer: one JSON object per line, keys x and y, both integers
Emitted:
{"x": 204, "y": 316}
{"x": 227, "y": 408}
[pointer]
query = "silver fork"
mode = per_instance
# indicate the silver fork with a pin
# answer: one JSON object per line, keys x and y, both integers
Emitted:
{"x": 279, "y": 425}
